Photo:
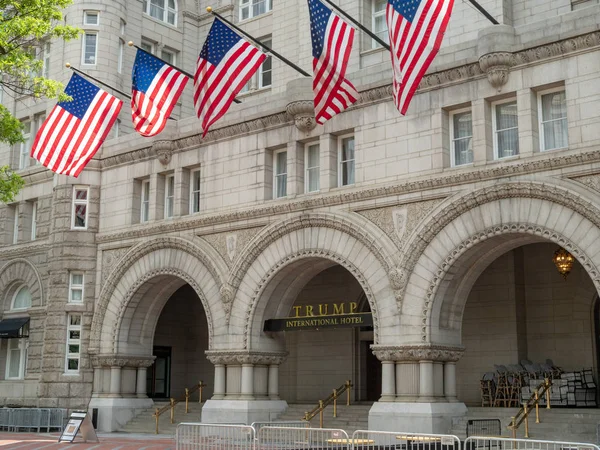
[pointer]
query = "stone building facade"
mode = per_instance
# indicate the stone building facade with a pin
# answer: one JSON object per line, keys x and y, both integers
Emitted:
{"x": 159, "y": 265}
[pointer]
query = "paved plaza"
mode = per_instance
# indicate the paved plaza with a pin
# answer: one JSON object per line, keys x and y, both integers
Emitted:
{"x": 113, "y": 441}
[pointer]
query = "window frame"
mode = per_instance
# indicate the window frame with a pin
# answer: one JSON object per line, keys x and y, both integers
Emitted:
{"x": 120, "y": 56}
{"x": 69, "y": 341}
{"x": 14, "y": 298}
{"x": 249, "y": 4}
{"x": 541, "y": 122}
{"x": 45, "y": 55}
{"x": 75, "y": 201}
{"x": 169, "y": 199}
{"x": 375, "y": 15}
{"x": 147, "y": 4}
{"x": 15, "y": 239}
{"x": 340, "y": 144}
{"x": 255, "y": 82}
{"x": 84, "y": 46}
{"x": 22, "y": 347}
{"x": 25, "y": 146}
{"x": 34, "y": 208}
{"x": 307, "y": 168}
{"x": 494, "y": 105}
{"x": 147, "y": 43}
{"x": 73, "y": 287}
{"x": 276, "y": 175}
{"x": 451, "y": 117}
{"x": 193, "y": 173}
{"x": 88, "y": 13}
{"x": 173, "y": 54}
{"x": 145, "y": 201}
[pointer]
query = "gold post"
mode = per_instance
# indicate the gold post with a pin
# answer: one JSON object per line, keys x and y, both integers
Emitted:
{"x": 156, "y": 415}
{"x": 172, "y": 410}
{"x": 537, "y": 407}
{"x": 514, "y": 429}
{"x": 187, "y": 400}
{"x": 548, "y": 384}
{"x": 348, "y": 386}
{"x": 526, "y": 420}
{"x": 200, "y": 387}
{"x": 335, "y": 403}
{"x": 320, "y": 413}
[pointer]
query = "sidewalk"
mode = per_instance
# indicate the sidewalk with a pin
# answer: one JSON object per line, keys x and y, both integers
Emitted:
{"x": 108, "y": 441}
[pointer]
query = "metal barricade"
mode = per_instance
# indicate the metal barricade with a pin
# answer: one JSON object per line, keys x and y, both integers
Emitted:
{"x": 198, "y": 436}
{"x": 290, "y": 438}
{"x": 4, "y": 419}
{"x": 484, "y": 427}
{"x": 480, "y": 442}
{"x": 377, "y": 440}
{"x": 27, "y": 419}
{"x": 291, "y": 424}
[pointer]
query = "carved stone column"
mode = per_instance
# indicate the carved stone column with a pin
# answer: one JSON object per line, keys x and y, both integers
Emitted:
{"x": 247, "y": 378}
{"x": 142, "y": 369}
{"x": 450, "y": 381}
{"x": 388, "y": 375}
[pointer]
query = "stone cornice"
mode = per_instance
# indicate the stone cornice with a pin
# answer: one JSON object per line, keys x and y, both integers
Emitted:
{"x": 24, "y": 250}
{"x": 508, "y": 169}
{"x": 237, "y": 357}
{"x": 122, "y": 361}
{"x": 415, "y": 353}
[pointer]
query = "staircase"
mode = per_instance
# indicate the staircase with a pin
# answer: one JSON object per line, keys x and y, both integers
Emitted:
{"x": 557, "y": 424}
{"x": 349, "y": 418}
{"x": 146, "y": 423}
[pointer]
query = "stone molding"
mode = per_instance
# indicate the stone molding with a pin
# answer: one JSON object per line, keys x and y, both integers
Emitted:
{"x": 110, "y": 260}
{"x": 289, "y": 259}
{"x": 21, "y": 270}
{"x": 518, "y": 167}
{"x": 303, "y": 112}
{"x": 496, "y": 66}
{"x": 121, "y": 361}
{"x": 444, "y": 216}
{"x": 239, "y": 357}
{"x": 25, "y": 250}
{"x": 417, "y": 353}
{"x": 163, "y": 150}
{"x": 376, "y": 94}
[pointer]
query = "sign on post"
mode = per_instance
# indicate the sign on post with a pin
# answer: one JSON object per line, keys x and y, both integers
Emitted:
{"x": 79, "y": 420}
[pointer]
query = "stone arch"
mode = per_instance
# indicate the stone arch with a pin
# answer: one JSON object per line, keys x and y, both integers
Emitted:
{"x": 462, "y": 237}
{"x": 164, "y": 264}
{"x": 297, "y": 250}
{"x": 20, "y": 272}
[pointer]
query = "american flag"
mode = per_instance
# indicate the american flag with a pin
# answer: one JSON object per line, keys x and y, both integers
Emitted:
{"x": 156, "y": 87}
{"x": 331, "y": 46}
{"x": 75, "y": 130}
{"x": 416, "y": 29}
{"x": 225, "y": 64}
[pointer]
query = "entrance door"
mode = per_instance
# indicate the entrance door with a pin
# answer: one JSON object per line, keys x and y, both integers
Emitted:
{"x": 159, "y": 374}
{"x": 373, "y": 375}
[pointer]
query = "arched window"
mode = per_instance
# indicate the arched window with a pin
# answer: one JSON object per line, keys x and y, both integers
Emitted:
{"x": 164, "y": 10}
{"x": 22, "y": 298}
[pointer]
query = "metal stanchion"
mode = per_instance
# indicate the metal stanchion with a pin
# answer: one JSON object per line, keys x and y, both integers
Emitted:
{"x": 335, "y": 403}
{"x": 187, "y": 400}
{"x": 320, "y": 413}
{"x": 348, "y": 386}
{"x": 537, "y": 407}
{"x": 172, "y": 410}
{"x": 156, "y": 415}
{"x": 548, "y": 386}
{"x": 526, "y": 421}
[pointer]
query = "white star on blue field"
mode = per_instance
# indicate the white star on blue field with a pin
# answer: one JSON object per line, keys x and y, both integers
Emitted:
{"x": 145, "y": 69}
{"x": 82, "y": 92}
{"x": 407, "y": 8}
{"x": 219, "y": 41}
{"x": 319, "y": 18}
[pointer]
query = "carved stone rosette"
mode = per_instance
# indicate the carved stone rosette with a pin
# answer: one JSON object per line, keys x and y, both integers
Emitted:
{"x": 163, "y": 150}
{"x": 233, "y": 357}
{"x": 497, "y": 66}
{"x": 417, "y": 353}
{"x": 303, "y": 112}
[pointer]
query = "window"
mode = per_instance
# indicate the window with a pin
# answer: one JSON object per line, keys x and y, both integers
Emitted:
{"x": 148, "y": 46}
{"x": 311, "y": 164}
{"x": 16, "y": 225}
{"x": 145, "y": 206}
{"x": 169, "y": 196}
{"x": 21, "y": 299}
{"x": 553, "y": 119}
{"x": 25, "y": 146}
{"x": 120, "y": 57}
{"x": 378, "y": 22}
{"x": 90, "y": 44}
{"x": 253, "y": 8}
{"x": 346, "y": 159}
{"x": 91, "y": 18}
{"x": 34, "y": 221}
{"x": 45, "y": 56}
{"x": 506, "y": 132}
{"x": 80, "y": 207}
{"x": 75, "y": 287}
{"x": 168, "y": 56}
{"x": 73, "y": 343}
{"x": 264, "y": 76}
{"x": 461, "y": 136}
{"x": 163, "y": 10}
{"x": 123, "y": 26}
{"x": 16, "y": 357}
{"x": 280, "y": 173}
{"x": 38, "y": 120}
{"x": 117, "y": 128}
{"x": 195, "y": 192}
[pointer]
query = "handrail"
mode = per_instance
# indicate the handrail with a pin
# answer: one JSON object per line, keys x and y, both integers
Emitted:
{"x": 337, "y": 393}
{"x": 534, "y": 400}
{"x": 172, "y": 402}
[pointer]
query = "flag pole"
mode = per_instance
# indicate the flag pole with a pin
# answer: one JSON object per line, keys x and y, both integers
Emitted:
{"x": 69, "y": 66}
{"x": 187, "y": 74}
{"x": 269, "y": 50}
{"x": 360, "y": 25}
{"x": 482, "y": 10}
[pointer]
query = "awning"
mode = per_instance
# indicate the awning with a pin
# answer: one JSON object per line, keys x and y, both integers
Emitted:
{"x": 11, "y": 328}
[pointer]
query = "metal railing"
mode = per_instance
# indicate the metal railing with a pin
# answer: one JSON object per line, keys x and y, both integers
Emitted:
{"x": 173, "y": 402}
{"x": 476, "y": 442}
{"x": 376, "y": 440}
{"x": 332, "y": 398}
{"x": 32, "y": 419}
{"x": 532, "y": 402}
{"x": 282, "y": 438}
{"x": 288, "y": 423}
{"x": 197, "y": 436}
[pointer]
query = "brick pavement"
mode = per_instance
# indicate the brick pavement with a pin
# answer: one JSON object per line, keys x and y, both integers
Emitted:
{"x": 49, "y": 441}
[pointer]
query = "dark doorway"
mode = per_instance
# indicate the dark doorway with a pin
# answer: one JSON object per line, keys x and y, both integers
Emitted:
{"x": 373, "y": 375}
{"x": 159, "y": 374}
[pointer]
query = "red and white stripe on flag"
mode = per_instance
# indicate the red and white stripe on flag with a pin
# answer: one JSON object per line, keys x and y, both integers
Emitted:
{"x": 74, "y": 131}
{"x": 416, "y": 29}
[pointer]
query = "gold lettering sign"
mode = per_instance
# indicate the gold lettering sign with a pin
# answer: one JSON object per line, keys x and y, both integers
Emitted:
{"x": 337, "y": 309}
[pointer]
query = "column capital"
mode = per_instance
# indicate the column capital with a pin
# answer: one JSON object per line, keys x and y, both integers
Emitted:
{"x": 228, "y": 357}
{"x": 417, "y": 353}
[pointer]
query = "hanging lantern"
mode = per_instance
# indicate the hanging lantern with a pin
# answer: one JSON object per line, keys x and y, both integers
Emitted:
{"x": 563, "y": 261}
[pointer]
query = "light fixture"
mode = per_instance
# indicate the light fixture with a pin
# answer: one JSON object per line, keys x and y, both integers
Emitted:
{"x": 563, "y": 261}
